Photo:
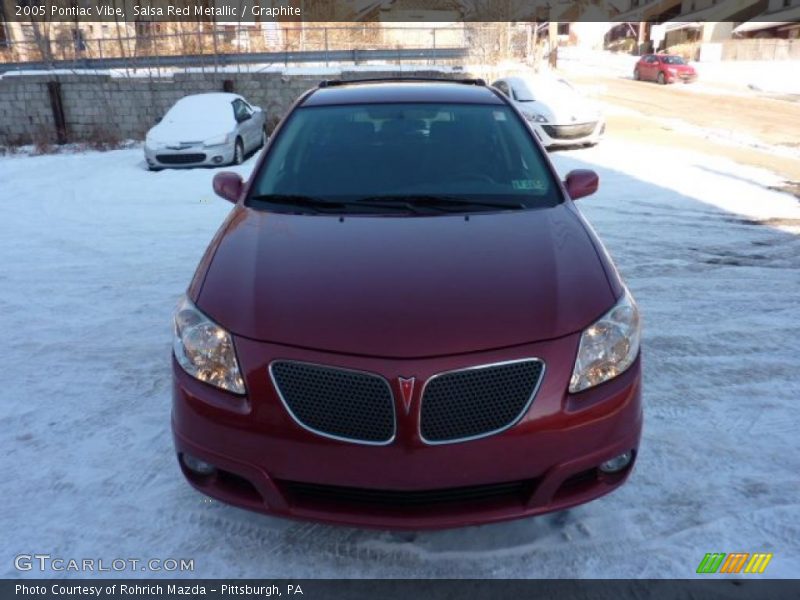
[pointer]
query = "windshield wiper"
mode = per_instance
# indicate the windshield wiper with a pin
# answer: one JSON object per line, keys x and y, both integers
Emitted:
{"x": 320, "y": 205}
{"x": 439, "y": 202}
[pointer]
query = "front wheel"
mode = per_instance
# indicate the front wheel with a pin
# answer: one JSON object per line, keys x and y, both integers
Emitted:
{"x": 661, "y": 79}
{"x": 238, "y": 152}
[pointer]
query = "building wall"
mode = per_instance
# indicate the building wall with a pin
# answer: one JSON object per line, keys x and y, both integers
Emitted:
{"x": 126, "y": 107}
{"x": 776, "y": 5}
{"x": 717, "y": 32}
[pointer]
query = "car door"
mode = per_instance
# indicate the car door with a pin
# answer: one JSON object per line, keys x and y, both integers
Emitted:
{"x": 254, "y": 125}
{"x": 644, "y": 67}
{"x": 652, "y": 67}
{"x": 244, "y": 122}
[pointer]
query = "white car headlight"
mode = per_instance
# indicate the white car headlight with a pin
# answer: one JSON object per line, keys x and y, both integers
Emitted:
{"x": 608, "y": 347}
{"x": 535, "y": 117}
{"x": 205, "y": 350}
{"x": 218, "y": 140}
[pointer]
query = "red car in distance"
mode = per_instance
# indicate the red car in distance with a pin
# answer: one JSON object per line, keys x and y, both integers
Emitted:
{"x": 405, "y": 322}
{"x": 664, "y": 68}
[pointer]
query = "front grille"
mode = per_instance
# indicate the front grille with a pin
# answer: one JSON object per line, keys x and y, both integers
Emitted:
{"x": 337, "y": 403}
{"x": 476, "y": 402}
{"x": 180, "y": 159}
{"x": 569, "y": 132}
{"x": 514, "y": 491}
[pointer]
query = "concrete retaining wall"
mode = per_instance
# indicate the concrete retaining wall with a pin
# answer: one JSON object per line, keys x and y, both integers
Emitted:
{"x": 101, "y": 106}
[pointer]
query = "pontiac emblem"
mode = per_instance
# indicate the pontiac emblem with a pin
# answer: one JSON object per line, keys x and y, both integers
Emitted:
{"x": 406, "y": 391}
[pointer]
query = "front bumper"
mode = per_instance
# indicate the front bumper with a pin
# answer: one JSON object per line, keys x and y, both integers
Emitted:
{"x": 196, "y": 155}
{"x": 679, "y": 77}
{"x": 267, "y": 462}
{"x": 552, "y": 135}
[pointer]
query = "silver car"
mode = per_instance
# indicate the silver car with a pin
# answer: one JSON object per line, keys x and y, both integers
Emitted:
{"x": 205, "y": 130}
{"x": 558, "y": 113}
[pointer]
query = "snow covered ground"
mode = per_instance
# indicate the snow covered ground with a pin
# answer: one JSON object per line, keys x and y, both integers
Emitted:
{"x": 771, "y": 76}
{"x": 95, "y": 251}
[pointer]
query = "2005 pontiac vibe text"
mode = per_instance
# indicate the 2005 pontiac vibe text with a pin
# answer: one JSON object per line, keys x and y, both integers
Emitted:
{"x": 405, "y": 322}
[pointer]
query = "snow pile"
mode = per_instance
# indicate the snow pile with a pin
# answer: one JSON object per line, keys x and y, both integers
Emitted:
{"x": 96, "y": 250}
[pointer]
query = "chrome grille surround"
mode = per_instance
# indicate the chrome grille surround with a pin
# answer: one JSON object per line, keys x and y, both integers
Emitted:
{"x": 332, "y": 371}
{"x": 537, "y": 362}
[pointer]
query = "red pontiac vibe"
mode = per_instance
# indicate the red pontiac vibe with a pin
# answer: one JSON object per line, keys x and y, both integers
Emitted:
{"x": 404, "y": 322}
{"x": 664, "y": 68}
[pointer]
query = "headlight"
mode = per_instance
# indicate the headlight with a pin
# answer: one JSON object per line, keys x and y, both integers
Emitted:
{"x": 535, "y": 117}
{"x": 152, "y": 142}
{"x": 218, "y": 140}
{"x": 205, "y": 350}
{"x": 608, "y": 347}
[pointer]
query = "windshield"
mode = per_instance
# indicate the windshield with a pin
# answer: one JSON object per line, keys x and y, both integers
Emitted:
{"x": 673, "y": 60}
{"x": 456, "y": 153}
{"x": 544, "y": 87}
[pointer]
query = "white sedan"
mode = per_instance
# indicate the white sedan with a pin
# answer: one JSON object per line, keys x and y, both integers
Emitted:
{"x": 205, "y": 130}
{"x": 556, "y": 111}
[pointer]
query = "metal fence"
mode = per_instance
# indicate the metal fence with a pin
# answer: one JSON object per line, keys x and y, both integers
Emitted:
{"x": 29, "y": 45}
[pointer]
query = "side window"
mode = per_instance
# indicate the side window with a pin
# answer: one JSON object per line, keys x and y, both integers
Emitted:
{"x": 241, "y": 111}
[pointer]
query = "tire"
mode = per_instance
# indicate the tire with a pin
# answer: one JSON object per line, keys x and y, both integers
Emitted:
{"x": 636, "y": 76}
{"x": 661, "y": 78}
{"x": 238, "y": 152}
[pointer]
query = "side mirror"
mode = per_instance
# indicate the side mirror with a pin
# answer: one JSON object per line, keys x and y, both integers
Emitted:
{"x": 228, "y": 185}
{"x": 581, "y": 182}
{"x": 158, "y": 120}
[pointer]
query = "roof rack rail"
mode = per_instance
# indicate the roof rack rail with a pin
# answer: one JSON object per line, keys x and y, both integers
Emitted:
{"x": 464, "y": 81}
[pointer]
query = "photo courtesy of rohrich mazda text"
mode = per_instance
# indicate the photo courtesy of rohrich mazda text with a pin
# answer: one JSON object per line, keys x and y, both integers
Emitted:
{"x": 437, "y": 339}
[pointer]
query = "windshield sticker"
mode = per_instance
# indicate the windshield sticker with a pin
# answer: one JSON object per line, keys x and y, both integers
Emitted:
{"x": 529, "y": 184}
{"x": 499, "y": 115}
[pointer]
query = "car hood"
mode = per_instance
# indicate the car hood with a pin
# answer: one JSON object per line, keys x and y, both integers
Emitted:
{"x": 405, "y": 287}
{"x": 168, "y": 132}
{"x": 567, "y": 109}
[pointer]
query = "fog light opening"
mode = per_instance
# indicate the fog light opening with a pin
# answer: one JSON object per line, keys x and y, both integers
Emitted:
{"x": 217, "y": 159}
{"x": 197, "y": 466}
{"x": 618, "y": 463}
